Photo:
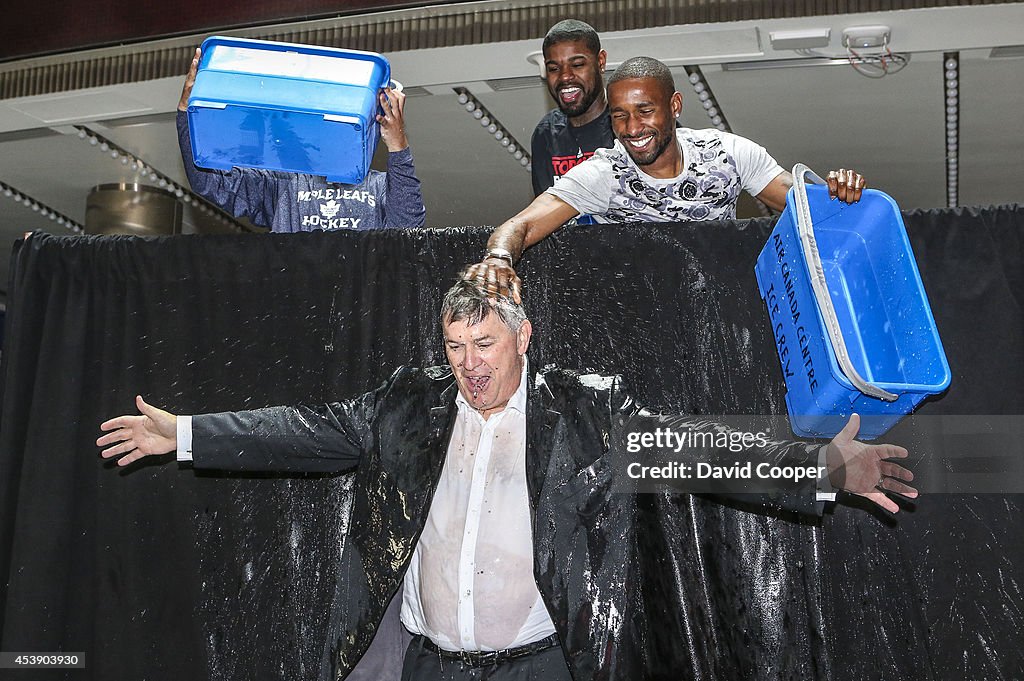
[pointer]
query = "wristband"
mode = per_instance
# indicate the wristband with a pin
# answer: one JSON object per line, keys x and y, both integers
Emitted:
{"x": 501, "y": 254}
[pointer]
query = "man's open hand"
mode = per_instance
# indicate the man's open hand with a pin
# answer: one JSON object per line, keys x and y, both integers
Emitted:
{"x": 865, "y": 470}
{"x": 133, "y": 437}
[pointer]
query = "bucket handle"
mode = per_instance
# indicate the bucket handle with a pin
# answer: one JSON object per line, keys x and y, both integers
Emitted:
{"x": 820, "y": 287}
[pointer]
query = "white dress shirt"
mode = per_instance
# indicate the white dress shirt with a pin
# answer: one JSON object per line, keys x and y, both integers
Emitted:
{"x": 470, "y": 585}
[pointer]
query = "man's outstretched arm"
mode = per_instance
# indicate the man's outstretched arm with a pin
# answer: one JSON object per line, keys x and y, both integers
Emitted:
{"x": 319, "y": 439}
{"x": 845, "y": 185}
{"x": 870, "y": 471}
{"x": 495, "y": 272}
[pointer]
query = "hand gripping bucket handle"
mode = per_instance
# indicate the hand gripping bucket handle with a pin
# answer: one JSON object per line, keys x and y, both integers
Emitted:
{"x": 820, "y": 287}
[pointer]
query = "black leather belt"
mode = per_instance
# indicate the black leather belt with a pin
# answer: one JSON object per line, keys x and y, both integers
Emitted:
{"x": 479, "y": 658}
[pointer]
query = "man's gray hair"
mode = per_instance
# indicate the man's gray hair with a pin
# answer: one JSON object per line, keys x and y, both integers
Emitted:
{"x": 464, "y": 302}
{"x": 645, "y": 67}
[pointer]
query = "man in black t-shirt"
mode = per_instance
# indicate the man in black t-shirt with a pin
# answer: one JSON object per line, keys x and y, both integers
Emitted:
{"x": 568, "y": 135}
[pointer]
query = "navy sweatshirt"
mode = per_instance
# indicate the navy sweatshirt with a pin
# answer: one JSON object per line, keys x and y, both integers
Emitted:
{"x": 291, "y": 202}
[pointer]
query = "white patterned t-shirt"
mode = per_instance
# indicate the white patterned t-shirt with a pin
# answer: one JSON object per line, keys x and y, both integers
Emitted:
{"x": 716, "y": 166}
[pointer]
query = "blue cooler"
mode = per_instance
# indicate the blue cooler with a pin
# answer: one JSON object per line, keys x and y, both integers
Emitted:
{"x": 851, "y": 321}
{"x": 280, "y": 106}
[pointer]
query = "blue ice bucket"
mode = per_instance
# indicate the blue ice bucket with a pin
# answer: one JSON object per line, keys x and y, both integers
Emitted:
{"x": 851, "y": 321}
{"x": 282, "y": 106}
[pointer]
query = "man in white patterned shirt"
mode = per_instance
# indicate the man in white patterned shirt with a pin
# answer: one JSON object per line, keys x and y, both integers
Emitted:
{"x": 467, "y": 487}
{"x": 655, "y": 172}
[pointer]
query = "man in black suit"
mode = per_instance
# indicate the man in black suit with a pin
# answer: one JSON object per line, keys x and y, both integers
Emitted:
{"x": 489, "y": 498}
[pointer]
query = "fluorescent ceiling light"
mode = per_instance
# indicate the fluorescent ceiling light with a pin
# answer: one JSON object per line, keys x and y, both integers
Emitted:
{"x": 514, "y": 83}
{"x": 801, "y": 39}
{"x": 783, "y": 63}
{"x": 1007, "y": 52}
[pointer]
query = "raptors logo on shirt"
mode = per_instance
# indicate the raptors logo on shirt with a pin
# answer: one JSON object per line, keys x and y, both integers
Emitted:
{"x": 560, "y": 165}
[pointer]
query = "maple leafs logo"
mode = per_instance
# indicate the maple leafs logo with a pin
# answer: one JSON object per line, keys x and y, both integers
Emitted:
{"x": 330, "y": 209}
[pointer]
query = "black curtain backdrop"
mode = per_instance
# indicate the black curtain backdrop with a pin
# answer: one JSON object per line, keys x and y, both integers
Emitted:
{"x": 161, "y": 572}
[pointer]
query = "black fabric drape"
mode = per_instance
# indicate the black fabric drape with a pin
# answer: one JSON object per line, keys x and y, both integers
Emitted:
{"x": 161, "y": 572}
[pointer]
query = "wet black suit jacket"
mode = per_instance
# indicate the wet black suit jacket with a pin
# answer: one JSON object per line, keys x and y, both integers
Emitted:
{"x": 610, "y": 566}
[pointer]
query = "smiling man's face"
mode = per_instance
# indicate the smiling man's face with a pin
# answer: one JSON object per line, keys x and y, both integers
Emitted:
{"x": 573, "y": 74}
{"x": 643, "y": 119}
{"x": 487, "y": 360}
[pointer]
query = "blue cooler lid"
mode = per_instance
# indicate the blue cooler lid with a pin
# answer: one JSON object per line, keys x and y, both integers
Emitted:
{"x": 295, "y": 61}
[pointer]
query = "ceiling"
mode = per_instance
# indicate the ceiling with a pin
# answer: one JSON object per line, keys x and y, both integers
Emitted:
{"x": 892, "y": 129}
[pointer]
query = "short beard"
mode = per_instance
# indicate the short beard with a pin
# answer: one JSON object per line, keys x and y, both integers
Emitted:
{"x": 653, "y": 155}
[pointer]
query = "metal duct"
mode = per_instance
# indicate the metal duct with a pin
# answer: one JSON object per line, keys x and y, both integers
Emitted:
{"x": 436, "y": 26}
{"x": 135, "y": 209}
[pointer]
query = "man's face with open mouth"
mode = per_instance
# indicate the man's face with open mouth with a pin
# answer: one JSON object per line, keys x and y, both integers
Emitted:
{"x": 573, "y": 74}
{"x": 487, "y": 360}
